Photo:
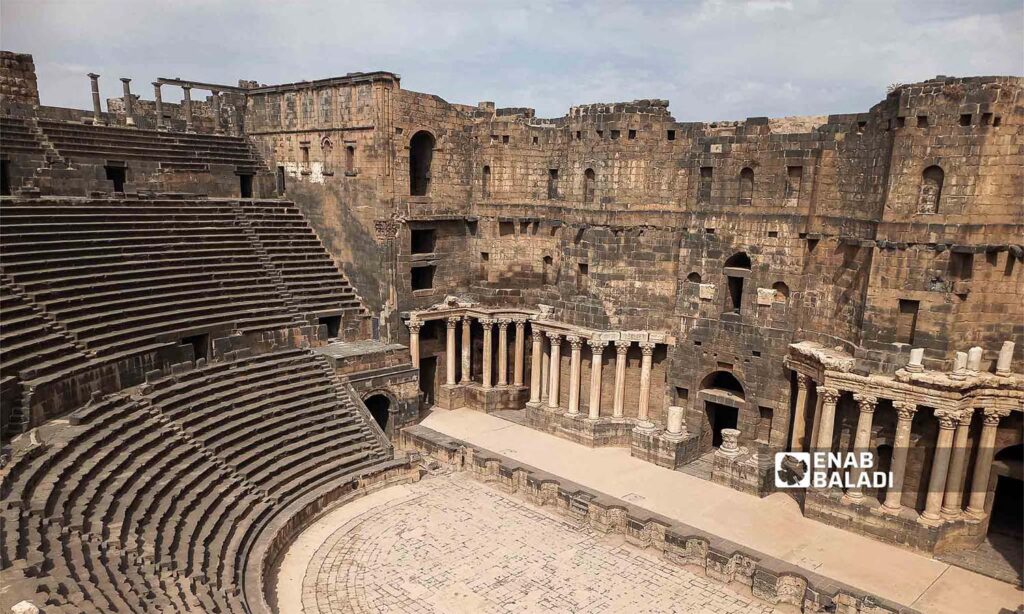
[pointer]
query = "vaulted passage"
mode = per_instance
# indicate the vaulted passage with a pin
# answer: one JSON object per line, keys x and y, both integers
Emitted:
{"x": 379, "y": 406}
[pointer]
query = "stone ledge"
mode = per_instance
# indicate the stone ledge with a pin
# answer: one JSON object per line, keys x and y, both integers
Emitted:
{"x": 770, "y": 579}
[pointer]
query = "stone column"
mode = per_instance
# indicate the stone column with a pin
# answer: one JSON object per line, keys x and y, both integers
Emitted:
{"x": 904, "y": 418}
{"x": 647, "y": 351}
{"x": 983, "y": 461}
{"x": 97, "y": 112}
{"x": 158, "y": 97}
{"x": 467, "y": 350}
{"x": 596, "y": 363}
{"x": 537, "y": 357}
{"x": 450, "y": 352}
{"x": 796, "y": 442}
{"x": 675, "y": 428}
{"x": 816, "y": 418}
{"x": 951, "y": 504}
{"x": 575, "y": 344}
{"x": 488, "y": 324}
{"x": 187, "y": 107}
{"x": 517, "y": 366}
{"x": 862, "y": 440}
{"x": 414, "y": 342}
{"x": 503, "y": 351}
{"x": 730, "y": 443}
{"x": 829, "y": 397}
{"x": 217, "y": 128}
{"x": 545, "y": 371}
{"x": 129, "y": 104}
{"x": 556, "y": 359}
{"x": 621, "y": 347}
{"x": 948, "y": 420}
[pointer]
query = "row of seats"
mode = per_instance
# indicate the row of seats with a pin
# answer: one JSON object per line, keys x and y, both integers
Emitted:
{"x": 147, "y": 500}
{"x": 308, "y": 271}
{"x": 29, "y": 343}
{"x": 121, "y": 276}
{"x": 19, "y": 136}
{"x": 173, "y": 150}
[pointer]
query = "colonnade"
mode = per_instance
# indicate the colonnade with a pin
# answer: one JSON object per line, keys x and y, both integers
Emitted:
{"x": 129, "y": 103}
{"x": 518, "y": 323}
{"x": 944, "y": 500}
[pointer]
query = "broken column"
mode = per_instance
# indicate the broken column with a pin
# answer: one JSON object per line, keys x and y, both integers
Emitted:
{"x": 915, "y": 365}
{"x": 129, "y": 106}
{"x": 730, "y": 442}
{"x": 974, "y": 359}
{"x": 97, "y": 113}
{"x": 159, "y": 105}
{"x": 187, "y": 105}
{"x": 1005, "y": 359}
{"x": 675, "y": 430}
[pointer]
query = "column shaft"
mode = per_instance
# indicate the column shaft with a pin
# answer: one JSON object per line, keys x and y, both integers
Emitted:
{"x": 545, "y": 372}
{"x": 536, "y": 358}
{"x": 467, "y": 350}
{"x": 503, "y": 352}
{"x": 621, "y": 348}
{"x": 596, "y": 356}
{"x": 488, "y": 325}
{"x": 129, "y": 106}
{"x": 829, "y": 397}
{"x": 414, "y": 343}
{"x": 642, "y": 409}
{"x": 97, "y": 111}
{"x": 575, "y": 344}
{"x": 217, "y": 126}
{"x": 796, "y": 442}
{"x": 905, "y": 417}
{"x": 187, "y": 107}
{"x": 983, "y": 462}
{"x": 450, "y": 353}
{"x": 517, "y": 366}
{"x": 948, "y": 420}
{"x": 553, "y": 369}
{"x": 159, "y": 106}
{"x": 951, "y": 503}
{"x": 862, "y": 438}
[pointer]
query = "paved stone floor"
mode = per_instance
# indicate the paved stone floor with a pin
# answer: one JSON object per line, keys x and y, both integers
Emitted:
{"x": 451, "y": 544}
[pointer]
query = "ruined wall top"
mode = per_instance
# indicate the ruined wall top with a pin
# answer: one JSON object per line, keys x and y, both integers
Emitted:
{"x": 18, "y": 79}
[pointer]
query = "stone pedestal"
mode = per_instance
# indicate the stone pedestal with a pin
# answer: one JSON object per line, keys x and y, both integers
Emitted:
{"x": 664, "y": 449}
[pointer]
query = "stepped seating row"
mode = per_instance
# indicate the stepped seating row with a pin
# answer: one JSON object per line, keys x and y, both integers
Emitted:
{"x": 19, "y": 136}
{"x": 315, "y": 282}
{"x": 30, "y": 345}
{"x": 120, "y": 278}
{"x": 173, "y": 150}
{"x": 146, "y": 502}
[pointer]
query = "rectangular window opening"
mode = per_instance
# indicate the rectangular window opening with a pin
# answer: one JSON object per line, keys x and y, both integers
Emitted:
{"x": 245, "y": 186}
{"x": 552, "y": 183}
{"x": 423, "y": 277}
{"x": 117, "y": 175}
{"x": 670, "y": 135}
{"x": 506, "y": 229}
{"x": 422, "y": 240}
{"x": 922, "y": 121}
{"x": 961, "y": 265}
{"x": 333, "y": 324}
{"x": 906, "y": 323}
{"x": 965, "y": 119}
{"x": 632, "y": 135}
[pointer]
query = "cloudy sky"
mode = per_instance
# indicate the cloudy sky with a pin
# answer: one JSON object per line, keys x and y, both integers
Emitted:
{"x": 713, "y": 59}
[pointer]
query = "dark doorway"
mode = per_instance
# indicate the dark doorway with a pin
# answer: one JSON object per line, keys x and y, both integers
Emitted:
{"x": 117, "y": 174}
{"x": 200, "y": 345}
{"x": 428, "y": 375}
{"x": 720, "y": 417}
{"x": 245, "y": 185}
{"x": 5, "y": 177}
{"x": 1007, "y": 507}
{"x": 333, "y": 324}
{"x": 421, "y": 153}
{"x": 280, "y": 180}
{"x": 379, "y": 406}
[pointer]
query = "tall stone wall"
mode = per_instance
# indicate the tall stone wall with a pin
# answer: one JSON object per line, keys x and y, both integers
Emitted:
{"x": 18, "y": 79}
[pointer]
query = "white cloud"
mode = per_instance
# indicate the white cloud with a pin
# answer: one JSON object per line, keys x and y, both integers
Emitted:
{"x": 714, "y": 59}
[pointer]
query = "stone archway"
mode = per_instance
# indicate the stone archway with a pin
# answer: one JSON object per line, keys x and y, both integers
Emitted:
{"x": 723, "y": 398}
{"x": 379, "y": 405}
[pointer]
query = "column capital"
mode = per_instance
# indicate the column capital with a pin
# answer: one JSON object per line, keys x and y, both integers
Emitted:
{"x": 621, "y": 347}
{"x": 829, "y": 394}
{"x": 519, "y": 319}
{"x": 520, "y": 323}
{"x": 125, "y": 80}
{"x": 93, "y": 76}
{"x": 537, "y": 335}
{"x": 597, "y": 344}
{"x": 215, "y": 92}
{"x": 503, "y": 323}
{"x": 186, "y": 87}
{"x": 866, "y": 402}
{"x": 467, "y": 320}
{"x": 948, "y": 418}
{"x": 414, "y": 327}
{"x": 647, "y": 348}
{"x": 486, "y": 322}
{"x": 993, "y": 416}
{"x": 554, "y": 337}
{"x": 905, "y": 409}
{"x": 157, "y": 84}
{"x": 802, "y": 381}
{"x": 453, "y": 321}
{"x": 574, "y": 342}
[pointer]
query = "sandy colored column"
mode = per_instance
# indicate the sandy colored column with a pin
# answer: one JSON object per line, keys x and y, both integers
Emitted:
{"x": 642, "y": 408}
{"x": 983, "y": 461}
{"x": 621, "y": 348}
{"x": 517, "y": 365}
{"x": 97, "y": 112}
{"x": 488, "y": 325}
{"x": 503, "y": 351}
{"x": 904, "y": 418}
{"x": 186, "y": 103}
{"x": 215, "y": 96}
{"x": 576, "y": 345}
{"x": 158, "y": 98}
{"x": 816, "y": 418}
{"x": 537, "y": 358}
{"x": 862, "y": 440}
{"x": 414, "y": 342}
{"x": 596, "y": 363}
{"x": 450, "y": 352}
{"x": 829, "y": 397}
{"x": 553, "y": 369}
{"x": 948, "y": 420}
{"x": 129, "y": 104}
{"x": 951, "y": 503}
{"x": 796, "y": 442}
{"x": 467, "y": 350}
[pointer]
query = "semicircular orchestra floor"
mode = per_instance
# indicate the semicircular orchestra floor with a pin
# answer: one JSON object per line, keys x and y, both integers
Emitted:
{"x": 451, "y": 544}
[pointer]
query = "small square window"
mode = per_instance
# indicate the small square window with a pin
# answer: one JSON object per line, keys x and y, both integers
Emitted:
{"x": 922, "y": 121}
{"x": 504, "y": 139}
{"x": 965, "y": 119}
{"x": 536, "y": 140}
{"x": 632, "y": 134}
{"x": 670, "y": 135}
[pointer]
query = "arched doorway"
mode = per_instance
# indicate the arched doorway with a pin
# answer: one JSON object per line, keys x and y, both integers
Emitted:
{"x": 379, "y": 406}
{"x": 421, "y": 154}
{"x": 723, "y": 397}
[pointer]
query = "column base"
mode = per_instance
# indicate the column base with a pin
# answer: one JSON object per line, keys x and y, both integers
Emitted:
{"x": 645, "y": 426}
{"x": 949, "y": 514}
{"x": 930, "y": 521}
{"x": 974, "y": 516}
{"x": 853, "y": 499}
{"x": 891, "y": 511}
